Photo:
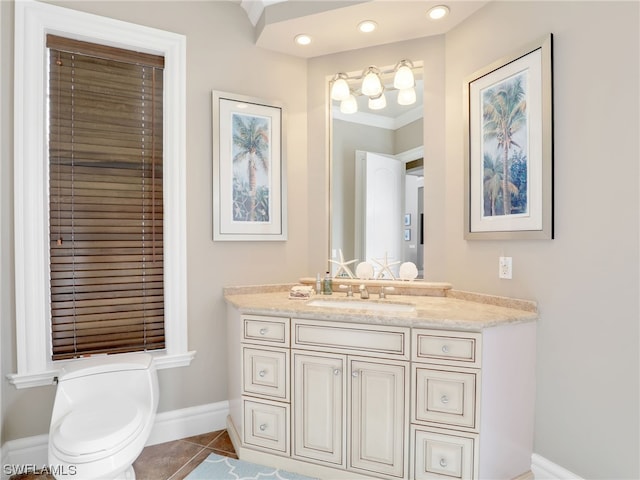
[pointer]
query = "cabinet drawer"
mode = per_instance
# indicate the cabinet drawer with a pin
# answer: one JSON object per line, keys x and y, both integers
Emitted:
{"x": 266, "y": 372}
{"x": 266, "y": 425}
{"x": 447, "y": 348}
{"x": 442, "y": 455}
{"x": 445, "y": 397}
{"x": 265, "y": 330}
{"x": 352, "y": 338}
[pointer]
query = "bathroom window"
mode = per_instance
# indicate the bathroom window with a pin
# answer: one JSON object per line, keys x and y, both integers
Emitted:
{"x": 34, "y": 21}
{"x": 105, "y": 199}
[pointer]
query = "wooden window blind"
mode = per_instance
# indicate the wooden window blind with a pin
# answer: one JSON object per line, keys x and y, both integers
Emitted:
{"x": 105, "y": 199}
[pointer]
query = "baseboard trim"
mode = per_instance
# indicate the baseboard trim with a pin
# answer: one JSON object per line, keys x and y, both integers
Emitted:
{"x": 168, "y": 426}
{"x": 187, "y": 422}
{"x": 190, "y": 421}
{"x": 544, "y": 469}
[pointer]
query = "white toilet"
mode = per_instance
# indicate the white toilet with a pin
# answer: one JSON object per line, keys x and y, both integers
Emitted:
{"x": 102, "y": 416}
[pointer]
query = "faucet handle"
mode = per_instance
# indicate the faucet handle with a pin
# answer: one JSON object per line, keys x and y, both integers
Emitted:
{"x": 364, "y": 293}
{"x": 348, "y": 288}
{"x": 385, "y": 290}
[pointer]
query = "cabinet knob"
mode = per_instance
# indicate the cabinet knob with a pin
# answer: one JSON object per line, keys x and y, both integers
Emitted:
{"x": 336, "y": 371}
{"x": 444, "y": 399}
{"x": 263, "y": 331}
{"x": 354, "y": 374}
{"x": 443, "y": 462}
{"x": 445, "y": 348}
{"x": 262, "y": 373}
{"x": 263, "y": 427}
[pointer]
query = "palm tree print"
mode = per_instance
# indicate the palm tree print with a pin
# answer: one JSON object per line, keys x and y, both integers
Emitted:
{"x": 504, "y": 114}
{"x": 493, "y": 181}
{"x": 250, "y": 158}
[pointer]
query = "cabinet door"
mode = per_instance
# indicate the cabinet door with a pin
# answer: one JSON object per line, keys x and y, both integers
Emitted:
{"x": 379, "y": 416}
{"x": 319, "y": 407}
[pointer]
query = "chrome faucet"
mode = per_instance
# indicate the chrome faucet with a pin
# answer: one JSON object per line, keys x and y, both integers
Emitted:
{"x": 364, "y": 293}
{"x": 348, "y": 288}
{"x": 385, "y": 290}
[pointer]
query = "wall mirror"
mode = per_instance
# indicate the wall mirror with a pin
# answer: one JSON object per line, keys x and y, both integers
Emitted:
{"x": 376, "y": 182}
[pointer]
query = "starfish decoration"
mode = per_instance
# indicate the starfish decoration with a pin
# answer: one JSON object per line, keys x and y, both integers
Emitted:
{"x": 343, "y": 266}
{"x": 385, "y": 267}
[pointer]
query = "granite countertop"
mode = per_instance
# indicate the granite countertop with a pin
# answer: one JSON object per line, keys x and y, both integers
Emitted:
{"x": 456, "y": 310}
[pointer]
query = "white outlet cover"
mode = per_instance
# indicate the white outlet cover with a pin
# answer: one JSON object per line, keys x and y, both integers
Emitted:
{"x": 505, "y": 268}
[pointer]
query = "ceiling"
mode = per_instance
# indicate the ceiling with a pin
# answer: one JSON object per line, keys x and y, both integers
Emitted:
{"x": 332, "y": 25}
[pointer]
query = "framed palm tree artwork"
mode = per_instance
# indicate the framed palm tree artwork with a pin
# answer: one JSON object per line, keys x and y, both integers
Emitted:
{"x": 509, "y": 147}
{"x": 249, "y": 198}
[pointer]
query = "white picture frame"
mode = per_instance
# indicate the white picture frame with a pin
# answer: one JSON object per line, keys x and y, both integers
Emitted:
{"x": 509, "y": 184}
{"x": 249, "y": 175}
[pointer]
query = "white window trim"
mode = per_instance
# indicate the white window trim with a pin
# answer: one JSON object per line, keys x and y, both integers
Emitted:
{"x": 33, "y": 21}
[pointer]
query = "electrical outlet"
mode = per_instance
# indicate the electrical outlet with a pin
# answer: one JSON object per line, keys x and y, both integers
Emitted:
{"x": 505, "y": 267}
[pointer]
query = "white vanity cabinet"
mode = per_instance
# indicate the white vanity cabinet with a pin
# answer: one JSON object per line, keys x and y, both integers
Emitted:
{"x": 473, "y": 400}
{"x": 377, "y": 397}
{"x": 350, "y": 401}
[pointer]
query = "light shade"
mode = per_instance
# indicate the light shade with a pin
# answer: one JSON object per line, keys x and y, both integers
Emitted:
{"x": 349, "y": 105}
{"x": 407, "y": 96}
{"x": 377, "y": 103}
{"x": 371, "y": 84}
{"x": 340, "y": 88}
{"x": 404, "y": 76}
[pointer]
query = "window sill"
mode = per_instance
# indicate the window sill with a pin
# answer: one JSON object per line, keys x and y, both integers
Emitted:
{"x": 39, "y": 379}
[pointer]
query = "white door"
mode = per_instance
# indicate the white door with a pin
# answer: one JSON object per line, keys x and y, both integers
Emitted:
{"x": 379, "y": 208}
{"x": 379, "y": 416}
{"x": 319, "y": 408}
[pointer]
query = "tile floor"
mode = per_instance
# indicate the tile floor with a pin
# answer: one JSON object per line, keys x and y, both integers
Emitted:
{"x": 175, "y": 460}
{"x": 170, "y": 460}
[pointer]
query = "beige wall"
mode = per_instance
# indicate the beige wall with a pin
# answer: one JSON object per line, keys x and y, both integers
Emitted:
{"x": 220, "y": 55}
{"x": 586, "y": 280}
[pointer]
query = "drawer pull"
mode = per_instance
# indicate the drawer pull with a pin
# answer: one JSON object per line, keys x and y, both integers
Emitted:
{"x": 443, "y": 462}
{"x": 336, "y": 371}
{"x": 444, "y": 399}
{"x": 262, "y": 373}
{"x": 445, "y": 348}
{"x": 263, "y": 331}
{"x": 263, "y": 427}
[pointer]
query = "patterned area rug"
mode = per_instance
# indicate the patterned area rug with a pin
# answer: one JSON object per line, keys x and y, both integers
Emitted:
{"x": 215, "y": 467}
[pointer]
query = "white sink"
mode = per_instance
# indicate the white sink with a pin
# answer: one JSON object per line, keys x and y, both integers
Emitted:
{"x": 365, "y": 305}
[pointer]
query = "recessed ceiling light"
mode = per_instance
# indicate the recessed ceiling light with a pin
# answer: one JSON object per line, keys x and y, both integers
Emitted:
{"x": 303, "y": 39}
{"x": 438, "y": 12}
{"x": 367, "y": 26}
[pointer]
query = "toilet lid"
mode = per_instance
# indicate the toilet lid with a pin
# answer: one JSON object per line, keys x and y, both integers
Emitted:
{"x": 97, "y": 425}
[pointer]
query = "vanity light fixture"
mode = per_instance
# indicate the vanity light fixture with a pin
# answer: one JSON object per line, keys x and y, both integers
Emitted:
{"x": 349, "y": 105}
{"x": 367, "y": 26}
{"x": 340, "y": 88}
{"x": 407, "y": 96}
{"x": 302, "y": 39}
{"x": 371, "y": 83}
{"x": 438, "y": 12}
{"x": 378, "y": 103}
{"x": 404, "y": 75}
{"x": 373, "y": 87}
